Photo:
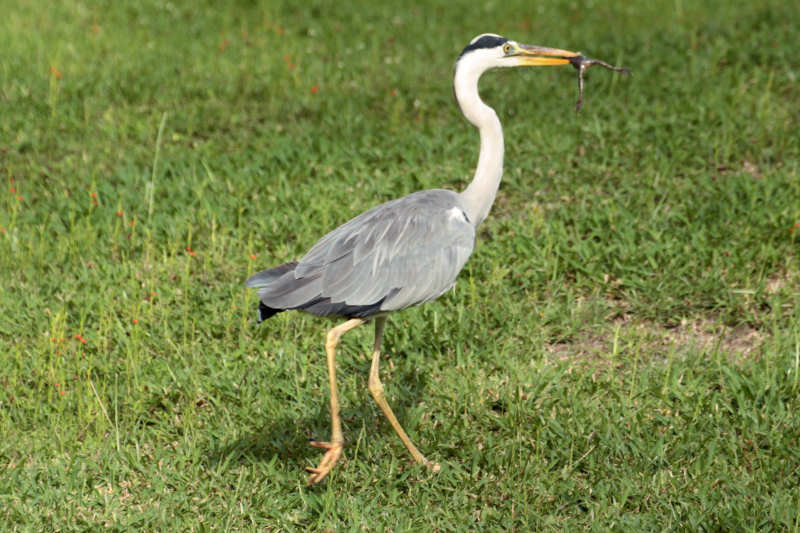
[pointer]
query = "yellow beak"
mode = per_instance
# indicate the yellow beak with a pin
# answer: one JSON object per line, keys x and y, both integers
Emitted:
{"x": 527, "y": 55}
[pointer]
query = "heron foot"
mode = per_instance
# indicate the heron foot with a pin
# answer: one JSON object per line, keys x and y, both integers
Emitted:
{"x": 432, "y": 466}
{"x": 334, "y": 451}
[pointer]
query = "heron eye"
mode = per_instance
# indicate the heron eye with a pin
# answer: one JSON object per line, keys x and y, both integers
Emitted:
{"x": 506, "y": 48}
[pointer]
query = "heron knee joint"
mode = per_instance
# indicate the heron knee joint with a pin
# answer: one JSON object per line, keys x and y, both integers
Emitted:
{"x": 374, "y": 385}
{"x": 332, "y": 339}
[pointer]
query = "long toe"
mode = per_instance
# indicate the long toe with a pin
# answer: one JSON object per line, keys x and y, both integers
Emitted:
{"x": 324, "y": 445}
{"x": 433, "y": 467}
{"x": 327, "y": 463}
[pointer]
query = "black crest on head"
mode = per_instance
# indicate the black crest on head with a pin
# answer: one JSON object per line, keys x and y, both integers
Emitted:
{"x": 484, "y": 41}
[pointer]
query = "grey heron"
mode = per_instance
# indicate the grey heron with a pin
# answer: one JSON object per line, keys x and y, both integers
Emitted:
{"x": 407, "y": 251}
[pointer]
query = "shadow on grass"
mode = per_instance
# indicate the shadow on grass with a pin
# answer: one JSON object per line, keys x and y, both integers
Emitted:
{"x": 279, "y": 438}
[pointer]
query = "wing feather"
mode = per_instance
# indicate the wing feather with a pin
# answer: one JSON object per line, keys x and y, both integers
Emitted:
{"x": 413, "y": 246}
{"x": 398, "y": 254}
{"x": 290, "y": 292}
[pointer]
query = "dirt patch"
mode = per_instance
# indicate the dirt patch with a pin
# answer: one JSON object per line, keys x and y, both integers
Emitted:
{"x": 654, "y": 340}
{"x": 777, "y": 282}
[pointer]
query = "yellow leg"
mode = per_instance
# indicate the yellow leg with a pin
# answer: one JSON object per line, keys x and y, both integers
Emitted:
{"x": 376, "y": 389}
{"x": 334, "y": 447}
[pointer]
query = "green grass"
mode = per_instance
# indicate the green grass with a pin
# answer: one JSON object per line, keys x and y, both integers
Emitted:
{"x": 621, "y": 352}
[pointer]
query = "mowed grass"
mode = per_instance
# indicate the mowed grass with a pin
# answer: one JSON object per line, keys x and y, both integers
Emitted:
{"x": 620, "y": 353}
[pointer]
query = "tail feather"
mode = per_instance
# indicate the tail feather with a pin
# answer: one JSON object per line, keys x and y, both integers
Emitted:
{"x": 303, "y": 294}
{"x": 265, "y": 277}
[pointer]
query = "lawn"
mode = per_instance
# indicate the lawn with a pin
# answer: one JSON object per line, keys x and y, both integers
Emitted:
{"x": 622, "y": 351}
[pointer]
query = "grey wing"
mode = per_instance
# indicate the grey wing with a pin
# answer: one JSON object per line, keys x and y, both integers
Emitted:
{"x": 401, "y": 253}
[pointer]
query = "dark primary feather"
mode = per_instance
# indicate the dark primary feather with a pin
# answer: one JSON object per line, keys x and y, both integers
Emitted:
{"x": 396, "y": 255}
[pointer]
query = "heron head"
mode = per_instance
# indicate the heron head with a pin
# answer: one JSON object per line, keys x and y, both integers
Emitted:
{"x": 492, "y": 51}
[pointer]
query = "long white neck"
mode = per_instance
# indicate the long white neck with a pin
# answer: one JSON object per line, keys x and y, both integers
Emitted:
{"x": 479, "y": 196}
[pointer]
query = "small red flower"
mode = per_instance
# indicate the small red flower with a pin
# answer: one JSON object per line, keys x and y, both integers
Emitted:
{"x": 119, "y": 213}
{"x": 12, "y": 189}
{"x": 135, "y": 321}
{"x": 191, "y": 252}
{"x": 315, "y": 88}
{"x": 55, "y": 72}
{"x": 20, "y": 198}
{"x": 61, "y": 392}
{"x": 253, "y": 256}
